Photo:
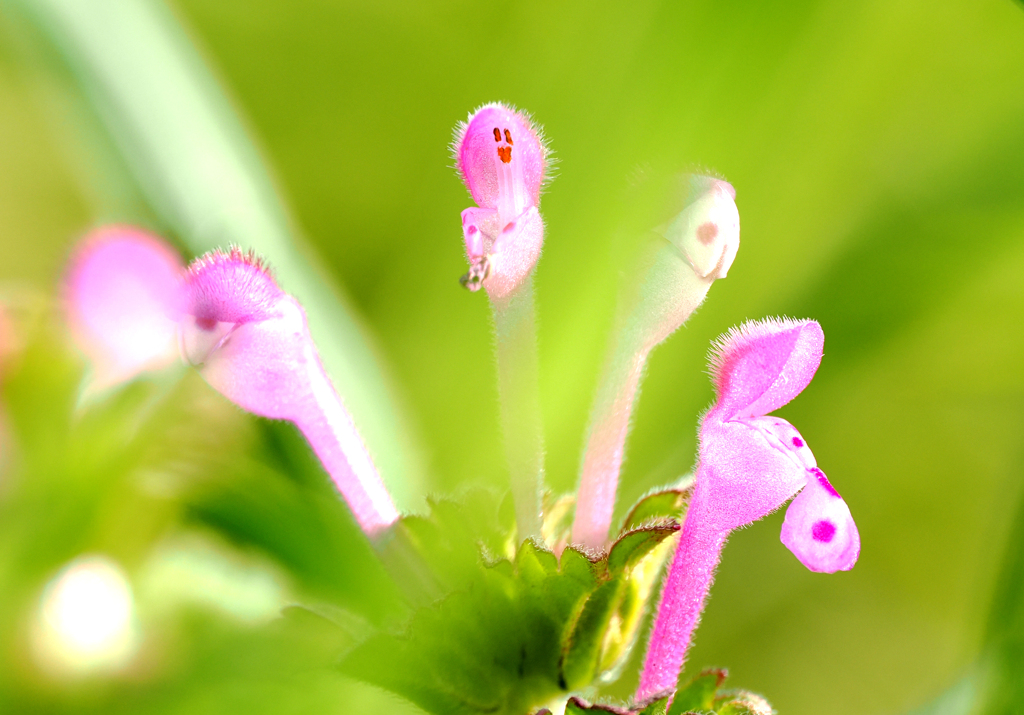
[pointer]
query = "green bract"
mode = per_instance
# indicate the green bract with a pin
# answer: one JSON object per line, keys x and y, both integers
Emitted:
{"x": 699, "y": 696}
{"x": 500, "y": 629}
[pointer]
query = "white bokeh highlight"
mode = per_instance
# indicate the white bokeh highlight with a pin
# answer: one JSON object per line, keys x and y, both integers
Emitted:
{"x": 86, "y": 621}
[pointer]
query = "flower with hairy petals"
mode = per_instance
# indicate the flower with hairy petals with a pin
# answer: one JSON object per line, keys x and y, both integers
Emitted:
{"x": 251, "y": 342}
{"x": 131, "y": 306}
{"x": 750, "y": 464}
{"x": 758, "y": 461}
{"x": 502, "y": 160}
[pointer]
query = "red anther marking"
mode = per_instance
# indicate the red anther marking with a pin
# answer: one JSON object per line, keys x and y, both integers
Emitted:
{"x": 508, "y": 137}
{"x": 497, "y": 135}
{"x": 505, "y": 154}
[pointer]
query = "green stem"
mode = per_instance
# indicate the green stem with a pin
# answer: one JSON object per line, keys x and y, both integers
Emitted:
{"x": 519, "y": 393}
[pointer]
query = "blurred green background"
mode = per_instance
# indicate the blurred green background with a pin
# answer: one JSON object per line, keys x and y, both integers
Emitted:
{"x": 877, "y": 150}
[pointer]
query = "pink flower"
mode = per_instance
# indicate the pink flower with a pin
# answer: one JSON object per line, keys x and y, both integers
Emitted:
{"x": 749, "y": 465}
{"x": 131, "y": 305}
{"x": 502, "y": 159}
{"x": 251, "y": 342}
{"x": 120, "y": 294}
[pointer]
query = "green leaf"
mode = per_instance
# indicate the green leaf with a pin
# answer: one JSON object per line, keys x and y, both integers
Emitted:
{"x": 742, "y": 702}
{"x": 582, "y": 649}
{"x": 632, "y": 547}
{"x": 657, "y": 506}
{"x": 699, "y": 693}
{"x": 657, "y": 707}
{"x": 578, "y": 706}
{"x": 509, "y": 634}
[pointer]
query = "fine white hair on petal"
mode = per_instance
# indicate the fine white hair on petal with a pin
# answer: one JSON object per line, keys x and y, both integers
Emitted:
{"x": 740, "y": 336}
{"x": 230, "y": 286}
{"x": 459, "y": 133}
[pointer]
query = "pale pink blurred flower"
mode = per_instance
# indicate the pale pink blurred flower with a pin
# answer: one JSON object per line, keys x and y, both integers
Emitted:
{"x": 702, "y": 241}
{"x": 120, "y": 293}
{"x": 251, "y": 342}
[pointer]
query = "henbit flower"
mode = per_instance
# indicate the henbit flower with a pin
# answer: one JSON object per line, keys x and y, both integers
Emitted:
{"x": 701, "y": 244}
{"x": 749, "y": 465}
{"x": 502, "y": 160}
{"x": 131, "y": 305}
{"x": 251, "y": 343}
{"x": 119, "y": 292}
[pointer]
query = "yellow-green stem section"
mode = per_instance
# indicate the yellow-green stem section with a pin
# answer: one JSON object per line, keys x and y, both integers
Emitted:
{"x": 519, "y": 394}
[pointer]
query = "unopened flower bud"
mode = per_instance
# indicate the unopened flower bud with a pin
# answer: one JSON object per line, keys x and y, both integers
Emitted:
{"x": 707, "y": 230}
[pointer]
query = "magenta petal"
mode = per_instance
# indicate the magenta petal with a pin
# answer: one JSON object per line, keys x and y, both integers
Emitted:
{"x": 819, "y": 529}
{"x": 232, "y": 287}
{"x": 761, "y": 365}
{"x": 515, "y": 252}
{"x": 499, "y": 145}
{"x": 121, "y": 298}
{"x": 248, "y": 336}
{"x": 263, "y": 366}
{"x": 744, "y": 474}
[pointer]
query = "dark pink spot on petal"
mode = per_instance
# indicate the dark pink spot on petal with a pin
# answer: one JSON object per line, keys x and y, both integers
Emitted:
{"x": 706, "y": 232}
{"x": 472, "y": 229}
{"x": 823, "y": 531}
{"x": 797, "y": 442}
{"x": 511, "y": 227}
{"x": 823, "y": 481}
{"x": 206, "y": 324}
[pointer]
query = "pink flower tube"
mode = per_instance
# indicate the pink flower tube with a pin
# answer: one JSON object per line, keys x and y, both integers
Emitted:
{"x": 251, "y": 342}
{"x": 750, "y": 464}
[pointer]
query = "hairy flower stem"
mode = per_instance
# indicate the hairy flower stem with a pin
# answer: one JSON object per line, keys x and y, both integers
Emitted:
{"x": 682, "y": 597}
{"x": 329, "y": 428}
{"x": 519, "y": 394}
{"x": 665, "y": 296}
{"x": 606, "y": 443}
